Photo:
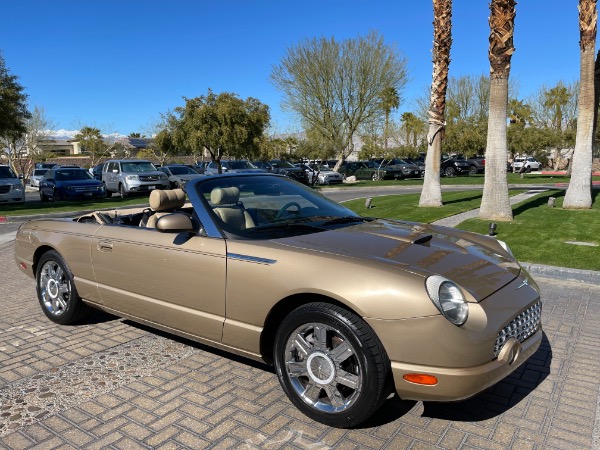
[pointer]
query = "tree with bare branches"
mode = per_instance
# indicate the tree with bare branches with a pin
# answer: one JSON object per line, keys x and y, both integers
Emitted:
{"x": 579, "y": 192}
{"x": 495, "y": 203}
{"x": 431, "y": 195}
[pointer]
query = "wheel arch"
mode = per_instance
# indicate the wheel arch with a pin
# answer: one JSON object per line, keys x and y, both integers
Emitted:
{"x": 281, "y": 309}
{"x": 37, "y": 255}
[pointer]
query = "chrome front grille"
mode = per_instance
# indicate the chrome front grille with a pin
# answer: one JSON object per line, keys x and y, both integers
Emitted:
{"x": 521, "y": 327}
{"x": 149, "y": 178}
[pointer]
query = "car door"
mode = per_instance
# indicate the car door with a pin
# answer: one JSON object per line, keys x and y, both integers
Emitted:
{"x": 166, "y": 278}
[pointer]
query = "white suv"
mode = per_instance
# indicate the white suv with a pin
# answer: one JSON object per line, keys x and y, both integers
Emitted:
{"x": 11, "y": 187}
{"x": 529, "y": 163}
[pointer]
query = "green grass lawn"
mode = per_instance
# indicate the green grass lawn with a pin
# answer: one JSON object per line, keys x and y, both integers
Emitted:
{"x": 406, "y": 207}
{"x": 68, "y": 206}
{"x": 537, "y": 234}
{"x": 513, "y": 178}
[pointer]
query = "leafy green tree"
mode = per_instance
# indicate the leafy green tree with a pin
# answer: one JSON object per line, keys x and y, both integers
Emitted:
{"x": 13, "y": 114}
{"x": 92, "y": 144}
{"x": 335, "y": 87}
{"x": 221, "y": 124}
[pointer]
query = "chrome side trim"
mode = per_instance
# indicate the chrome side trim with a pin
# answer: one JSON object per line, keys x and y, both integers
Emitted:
{"x": 253, "y": 259}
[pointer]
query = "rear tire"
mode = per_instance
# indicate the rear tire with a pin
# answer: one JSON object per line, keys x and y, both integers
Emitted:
{"x": 331, "y": 364}
{"x": 450, "y": 172}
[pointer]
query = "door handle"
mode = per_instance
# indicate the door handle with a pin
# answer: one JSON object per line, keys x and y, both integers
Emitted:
{"x": 105, "y": 246}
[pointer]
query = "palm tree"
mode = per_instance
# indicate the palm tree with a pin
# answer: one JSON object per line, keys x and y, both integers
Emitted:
{"x": 556, "y": 99}
{"x": 579, "y": 192}
{"x": 431, "y": 195}
{"x": 389, "y": 100}
{"x": 134, "y": 135}
{"x": 495, "y": 203}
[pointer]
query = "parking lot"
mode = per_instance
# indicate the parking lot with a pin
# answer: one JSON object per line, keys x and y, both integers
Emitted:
{"x": 109, "y": 383}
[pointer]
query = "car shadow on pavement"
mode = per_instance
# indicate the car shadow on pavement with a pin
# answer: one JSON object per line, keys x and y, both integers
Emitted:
{"x": 490, "y": 403}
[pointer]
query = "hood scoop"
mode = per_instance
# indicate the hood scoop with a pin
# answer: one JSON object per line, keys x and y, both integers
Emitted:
{"x": 423, "y": 240}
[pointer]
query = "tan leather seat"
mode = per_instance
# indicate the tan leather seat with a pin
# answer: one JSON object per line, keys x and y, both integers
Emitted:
{"x": 164, "y": 202}
{"x": 228, "y": 208}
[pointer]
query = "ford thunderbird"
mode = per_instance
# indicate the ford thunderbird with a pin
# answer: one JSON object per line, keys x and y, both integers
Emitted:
{"x": 350, "y": 310}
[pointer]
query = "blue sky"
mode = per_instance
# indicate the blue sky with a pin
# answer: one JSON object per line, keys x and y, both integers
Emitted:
{"x": 118, "y": 64}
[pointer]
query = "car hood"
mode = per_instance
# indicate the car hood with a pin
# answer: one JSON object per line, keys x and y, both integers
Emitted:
{"x": 9, "y": 181}
{"x": 189, "y": 176}
{"x": 90, "y": 182}
{"x": 465, "y": 258}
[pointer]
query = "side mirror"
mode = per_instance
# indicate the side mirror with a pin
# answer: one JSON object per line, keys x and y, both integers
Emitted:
{"x": 174, "y": 223}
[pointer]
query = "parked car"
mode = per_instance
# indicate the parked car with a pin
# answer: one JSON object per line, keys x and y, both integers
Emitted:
{"x": 348, "y": 309}
{"x": 96, "y": 171}
{"x": 200, "y": 166}
{"x": 420, "y": 163}
{"x": 477, "y": 164}
{"x": 61, "y": 183}
{"x": 527, "y": 164}
{"x": 231, "y": 166}
{"x": 283, "y": 168}
{"x": 179, "y": 174}
{"x": 36, "y": 176}
{"x": 11, "y": 186}
{"x": 368, "y": 170}
{"x": 408, "y": 170}
{"x": 132, "y": 176}
{"x": 45, "y": 165}
{"x": 321, "y": 175}
{"x": 452, "y": 167}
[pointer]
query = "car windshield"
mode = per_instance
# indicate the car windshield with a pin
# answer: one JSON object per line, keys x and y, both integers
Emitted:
{"x": 182, "y": 170}
{"x": 72, "y": 175}
{"x": 6, "y": 172}
{"x": 282, "y": 164}
{"x": 271, "y": 207}
{"x": 39, "y": 172}
{"x": 138, "y": 167}
{"x": 238, "y": 165}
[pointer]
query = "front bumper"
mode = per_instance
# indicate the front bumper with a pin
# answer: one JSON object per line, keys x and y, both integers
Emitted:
{"x": 459, "y": 384}
{"x": 141, "y": 186}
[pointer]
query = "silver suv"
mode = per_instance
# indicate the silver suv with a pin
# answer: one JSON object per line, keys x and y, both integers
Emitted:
{"x": 131, "y": 176}
{"x": 11, "y": 187}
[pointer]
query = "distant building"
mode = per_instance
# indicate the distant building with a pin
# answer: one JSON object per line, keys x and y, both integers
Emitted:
{"x": 60, "y": 147}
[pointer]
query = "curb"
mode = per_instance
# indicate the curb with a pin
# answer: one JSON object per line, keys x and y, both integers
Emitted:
{"x": 562, "y": 273}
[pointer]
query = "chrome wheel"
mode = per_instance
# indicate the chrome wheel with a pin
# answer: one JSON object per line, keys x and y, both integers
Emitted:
{"x": 56, "y": 291}
{"x": 323, "y": 367}
{"x": 54, "y": 288}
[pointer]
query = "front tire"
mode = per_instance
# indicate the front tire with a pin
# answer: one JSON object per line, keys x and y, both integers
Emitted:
{"x": 376, "y": 176}
{"x": 122, "y": 190}
{"x": 331, "y": 364}
{"x": 56, "y": 291}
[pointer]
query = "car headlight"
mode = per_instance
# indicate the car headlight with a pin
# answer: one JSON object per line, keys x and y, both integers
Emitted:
{"x": 448, "y": 299}
{"x": 162, "y": 177}
{"x": 17, "y": 187}
{"x": 132, "y": 178}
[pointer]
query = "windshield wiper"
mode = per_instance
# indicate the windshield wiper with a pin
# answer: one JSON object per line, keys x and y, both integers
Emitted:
{"x": 347, "y": 219}
{"x": 297, "y": 226}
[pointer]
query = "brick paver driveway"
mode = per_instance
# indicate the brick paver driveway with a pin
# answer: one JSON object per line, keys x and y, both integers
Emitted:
{"x": 109, "y": 383}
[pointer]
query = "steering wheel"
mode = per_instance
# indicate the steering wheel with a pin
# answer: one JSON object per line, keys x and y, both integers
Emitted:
{"x": 284, "y": 208}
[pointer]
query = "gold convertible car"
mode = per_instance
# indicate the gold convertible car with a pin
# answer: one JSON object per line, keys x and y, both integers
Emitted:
{"x": 349, "y": 309}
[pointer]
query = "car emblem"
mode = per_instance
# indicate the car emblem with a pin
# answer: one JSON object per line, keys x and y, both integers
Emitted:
{"x": 524, "y": 283}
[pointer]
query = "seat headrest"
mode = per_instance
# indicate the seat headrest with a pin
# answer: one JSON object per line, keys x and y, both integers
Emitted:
{"x": 164, "y": 200}
{"x": 225, "y": 196}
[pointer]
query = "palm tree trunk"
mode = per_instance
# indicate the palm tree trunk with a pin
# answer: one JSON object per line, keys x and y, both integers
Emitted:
{"x": 431, "y": 195}
{"x": 495, "y": 203}
{"x": 579, "y": 192}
